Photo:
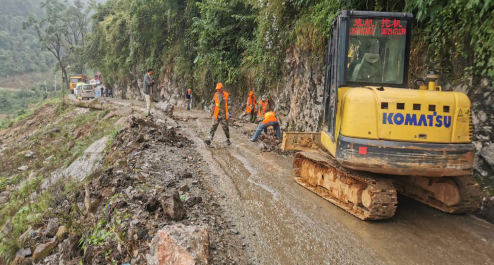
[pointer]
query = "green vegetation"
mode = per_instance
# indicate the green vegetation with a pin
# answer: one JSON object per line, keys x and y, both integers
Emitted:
{"x": 22, "y": 104}
{"x": 244, "y": 43}
{"x": 459, "y": 35}
{"x": 62, "y": 31}
{"x": 55, "y": 145}
{"x": 20, "y": 50}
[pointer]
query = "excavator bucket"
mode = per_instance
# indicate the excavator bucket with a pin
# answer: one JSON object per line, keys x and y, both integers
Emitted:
{"x": 301, "y": 141}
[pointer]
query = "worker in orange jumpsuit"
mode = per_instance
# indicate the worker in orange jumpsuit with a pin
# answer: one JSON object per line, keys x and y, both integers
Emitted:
{"x": 220, "y": 114}
{"x": 262, "y": 107}
{"x": 269, "y": 120}
{"x": 250, "y": 107}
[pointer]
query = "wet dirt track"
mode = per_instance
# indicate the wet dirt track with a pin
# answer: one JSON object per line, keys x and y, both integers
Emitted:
{"x": 285, "y": 224}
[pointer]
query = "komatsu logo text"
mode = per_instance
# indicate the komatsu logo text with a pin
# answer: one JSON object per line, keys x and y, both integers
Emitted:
{"x": 432, "y": 120}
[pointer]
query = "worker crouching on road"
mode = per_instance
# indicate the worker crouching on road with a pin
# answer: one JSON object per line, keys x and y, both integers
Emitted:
{"x": 250, "y": 107}
{"x": 148, "y": 89}
{"x": 262, "y": 107}
{"x": 219, "y": 113}
{"x": 269, "y": 120}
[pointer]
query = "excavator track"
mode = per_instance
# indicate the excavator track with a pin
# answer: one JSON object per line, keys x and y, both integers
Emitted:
{"x": 448, "y": 194}
{"x": 365, "y": 195}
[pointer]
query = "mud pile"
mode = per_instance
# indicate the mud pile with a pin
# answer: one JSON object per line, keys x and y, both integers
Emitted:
{"x": 152, "y": 187}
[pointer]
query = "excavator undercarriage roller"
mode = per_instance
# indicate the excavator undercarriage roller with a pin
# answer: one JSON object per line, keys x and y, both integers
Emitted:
{"x": 362, "y": 194}
{"x": 448, "y": 194}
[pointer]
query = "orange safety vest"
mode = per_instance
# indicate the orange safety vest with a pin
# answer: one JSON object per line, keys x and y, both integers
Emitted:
{"x": 269, "y": 117}
{"x": 251, "y": 101}
{"x": 262, "y": 109}
{"x": 217, "y": 105}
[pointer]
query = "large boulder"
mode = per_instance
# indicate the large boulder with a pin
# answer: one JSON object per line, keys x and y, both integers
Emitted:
{"x": 179, "y": 245}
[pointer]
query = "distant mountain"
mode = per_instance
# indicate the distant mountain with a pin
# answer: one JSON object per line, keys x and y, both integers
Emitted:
{"x": 20, "y": 50}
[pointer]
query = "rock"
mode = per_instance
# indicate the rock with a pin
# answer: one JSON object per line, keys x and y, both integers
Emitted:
{"x": 186, "y": 175}
{"x": 23, "y": 168}
{"x": 70, "y": 247}
{"x": 83, "y": 166}
{"x": 29, "y": 154}
{"x": 20, "y": 260}
{"x": 485, "y": 82}
{"x": 52, "y": 227}
{"x": 24, "y": 252}
{"x": 487, "y": 154}
{"x": 61, "y": 233}
{"x": 7, "y": 228}
{"x": 43, "y": 250}
{"x": 173, "y": 207}
{"x": 108, "y": 192}
{"x": 477, "y": 145}
{"x": 30, "y": 237}
{"x": 184, "y": 188}
{"x": 179, "y": 245}
{"x": 166, "y": 107}
{"x": 134, "y": 223}
{"x": 190, "y": 202}
{"x": 152, "y": 205}
{"x": 481, "y": 116}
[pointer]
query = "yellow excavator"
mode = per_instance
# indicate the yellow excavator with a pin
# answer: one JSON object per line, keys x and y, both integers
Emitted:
{"x": 379, "y": 136}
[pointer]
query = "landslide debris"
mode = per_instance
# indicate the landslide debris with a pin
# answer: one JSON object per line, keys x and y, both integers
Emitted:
{"x": 151, "y": 192}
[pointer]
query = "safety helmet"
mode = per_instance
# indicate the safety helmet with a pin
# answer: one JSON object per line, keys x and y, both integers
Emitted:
{"x": 263, "y": 97}
{"x": 219, "y": 86}
{"x": 189, "y": 90}
{"x": 251, "y": 93}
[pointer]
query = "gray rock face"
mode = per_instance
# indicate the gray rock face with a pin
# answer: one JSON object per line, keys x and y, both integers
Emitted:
{"x": 179, "y": 245}
{"x": 299, "y": 102}
{"x": 84, "y": 166}
{"x": 487, "y": 154}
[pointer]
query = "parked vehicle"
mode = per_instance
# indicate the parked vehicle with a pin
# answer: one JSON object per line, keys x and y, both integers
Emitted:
{"x": 75, "y": 79}
{"x": 85, "y": 91}
{"x": 78, "y": 89}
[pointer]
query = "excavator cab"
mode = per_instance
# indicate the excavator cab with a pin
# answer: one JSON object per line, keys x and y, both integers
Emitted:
{"x": 365, "y": 49}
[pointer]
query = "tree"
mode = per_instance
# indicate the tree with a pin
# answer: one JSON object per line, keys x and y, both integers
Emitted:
{"x": 62, "y": 33}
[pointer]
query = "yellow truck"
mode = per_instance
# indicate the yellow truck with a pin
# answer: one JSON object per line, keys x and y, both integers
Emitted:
{"x": 74, "y": 79}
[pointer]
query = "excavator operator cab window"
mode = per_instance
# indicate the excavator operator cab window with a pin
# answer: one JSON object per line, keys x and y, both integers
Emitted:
{"x": 376, "y": 51}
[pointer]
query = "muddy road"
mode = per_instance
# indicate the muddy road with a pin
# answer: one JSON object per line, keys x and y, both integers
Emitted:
{"x": 280, "y": 222}
{"x": 283, "y": 223}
